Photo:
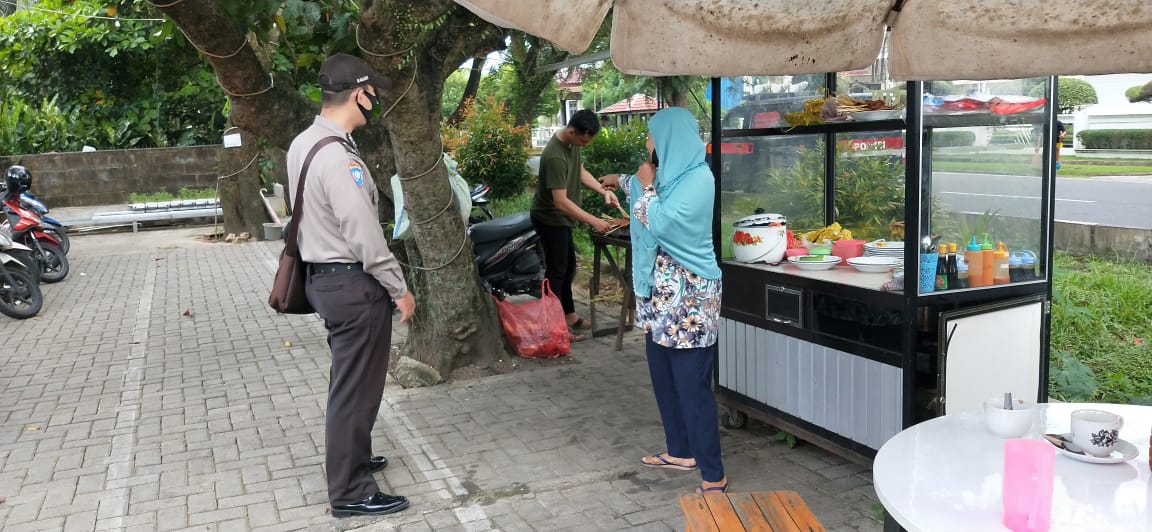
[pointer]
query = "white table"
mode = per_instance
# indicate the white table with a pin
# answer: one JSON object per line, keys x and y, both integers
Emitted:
{"x": 946, "y": 474}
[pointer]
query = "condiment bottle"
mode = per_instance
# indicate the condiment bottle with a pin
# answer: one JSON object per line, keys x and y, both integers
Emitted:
{"x": 961, "y": 272}
{"x": 941, "y": 270}
{"x": 988, "y": 261}
{"x": 975, "y": 259}
{"x": 1001, "y": 273}
{"x": 952, "y": 272}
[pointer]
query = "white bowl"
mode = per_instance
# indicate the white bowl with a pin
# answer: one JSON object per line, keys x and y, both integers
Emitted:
{"x": 1008, "y": 423}
{"x": 827, "y": 263}
{"x": 878, "y": 264}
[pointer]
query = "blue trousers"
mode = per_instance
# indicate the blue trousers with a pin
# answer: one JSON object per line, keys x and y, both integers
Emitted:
{"x": 682, "y": 380}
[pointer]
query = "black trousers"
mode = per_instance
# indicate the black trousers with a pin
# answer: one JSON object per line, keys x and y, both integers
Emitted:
{"x": 357, "y": 312}
{"x": 559, "y": 261}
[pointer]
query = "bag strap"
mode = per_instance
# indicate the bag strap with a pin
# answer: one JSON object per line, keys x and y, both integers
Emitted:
{"x": 297, "y": 205}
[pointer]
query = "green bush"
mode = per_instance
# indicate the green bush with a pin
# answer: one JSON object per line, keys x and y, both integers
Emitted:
{"x": 613, "y": 151}
{"x": 496, "y": 152}
{"x": 949, "y": 139}
{"x": 1115, "y": 139}
{"x": 28, "y": 129}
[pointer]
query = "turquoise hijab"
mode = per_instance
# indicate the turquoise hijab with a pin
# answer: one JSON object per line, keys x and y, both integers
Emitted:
{"x": 680, "y": 217}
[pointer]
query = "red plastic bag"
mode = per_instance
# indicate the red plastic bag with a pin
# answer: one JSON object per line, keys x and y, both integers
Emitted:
{"x": 536, "y": 329}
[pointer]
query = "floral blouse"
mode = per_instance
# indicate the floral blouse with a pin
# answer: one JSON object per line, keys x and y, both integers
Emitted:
{"x": 683, "y": 311}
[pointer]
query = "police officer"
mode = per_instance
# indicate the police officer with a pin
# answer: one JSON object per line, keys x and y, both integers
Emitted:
{"x": 353, "y": 281}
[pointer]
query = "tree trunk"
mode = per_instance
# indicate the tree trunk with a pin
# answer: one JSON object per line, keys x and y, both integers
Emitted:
{"x": 239, "y": 183}
{"x": 447, "y": 331}
{"x": 455, "y": 322}
{"x": 470, "y": 89}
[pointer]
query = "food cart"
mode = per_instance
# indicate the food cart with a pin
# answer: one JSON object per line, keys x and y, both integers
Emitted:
{"x": 844, "y": 355}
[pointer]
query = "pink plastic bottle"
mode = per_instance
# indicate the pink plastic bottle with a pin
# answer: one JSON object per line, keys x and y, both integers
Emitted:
{"x": 1029, "y": 467}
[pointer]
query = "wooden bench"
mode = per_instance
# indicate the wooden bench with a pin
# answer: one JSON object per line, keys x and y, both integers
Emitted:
{"x": 770, "y": 511}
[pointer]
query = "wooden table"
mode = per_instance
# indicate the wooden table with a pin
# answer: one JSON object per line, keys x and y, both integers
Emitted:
{"x": 602, "y": 248}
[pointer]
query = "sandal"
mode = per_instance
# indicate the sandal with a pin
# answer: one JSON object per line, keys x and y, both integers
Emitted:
{"x": 574, "y": 337}
{"x": 580, "y": 323}
{"x": 723, "y": 488}
{"x": 666, "y": 464}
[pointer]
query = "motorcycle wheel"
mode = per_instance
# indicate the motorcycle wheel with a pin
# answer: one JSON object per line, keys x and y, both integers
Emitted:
{"x": 20, "y": 296}
{"x": 59, "y": 234}
{"x": 29, "y": 262}
{"x": 55, "y": 264}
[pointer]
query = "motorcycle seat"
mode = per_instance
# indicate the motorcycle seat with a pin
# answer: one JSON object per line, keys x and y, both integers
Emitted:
{"x": 501, "y": 228}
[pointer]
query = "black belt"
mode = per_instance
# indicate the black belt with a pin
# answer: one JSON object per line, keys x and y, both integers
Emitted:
{"x": 335, "y": 267}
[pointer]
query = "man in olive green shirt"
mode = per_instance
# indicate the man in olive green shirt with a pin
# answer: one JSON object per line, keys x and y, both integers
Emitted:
{"x": 556, "y": 207}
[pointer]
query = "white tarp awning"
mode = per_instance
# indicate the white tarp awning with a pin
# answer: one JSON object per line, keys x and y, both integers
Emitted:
{"x": 931, "y": 39}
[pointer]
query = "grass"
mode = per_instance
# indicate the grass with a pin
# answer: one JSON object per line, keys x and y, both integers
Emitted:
{"x": 184, "y": 194}
{"x": 1021, "y": 164}
{"x": 1101, "y": 316}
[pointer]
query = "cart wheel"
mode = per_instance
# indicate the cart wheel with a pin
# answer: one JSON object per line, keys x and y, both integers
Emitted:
{"x": 734, "y": 419}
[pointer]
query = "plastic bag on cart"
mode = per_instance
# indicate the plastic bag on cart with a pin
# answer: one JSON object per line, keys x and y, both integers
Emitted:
{"x": 536, "y": 328}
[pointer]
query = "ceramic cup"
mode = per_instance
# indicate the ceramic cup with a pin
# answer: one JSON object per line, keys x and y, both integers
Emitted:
{"x": 1096, "y": 431}
{"x": 1012, "y": 423}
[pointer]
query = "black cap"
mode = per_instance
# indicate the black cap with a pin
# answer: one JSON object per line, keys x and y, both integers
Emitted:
{"x": 341, "y": 72}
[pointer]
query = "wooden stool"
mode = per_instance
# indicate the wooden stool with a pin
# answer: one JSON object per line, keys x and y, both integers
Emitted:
{"x": 766, "y": 511}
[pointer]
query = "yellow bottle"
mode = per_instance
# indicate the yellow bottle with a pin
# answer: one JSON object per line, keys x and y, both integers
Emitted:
{"x": 1002, "y": 274}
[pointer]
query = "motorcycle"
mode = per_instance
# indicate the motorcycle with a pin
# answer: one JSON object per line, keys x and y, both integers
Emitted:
{"x": 479, "y": 201}
{"x": 20, "y": 295}
{"x": 508, "y": 255}
{"x": 47, "y": 224}
{"x": 24, "y": 225}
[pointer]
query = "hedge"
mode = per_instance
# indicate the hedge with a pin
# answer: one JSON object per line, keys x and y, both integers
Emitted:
{"x": 1115, "y": 139}
{"x": 948, "y": 139}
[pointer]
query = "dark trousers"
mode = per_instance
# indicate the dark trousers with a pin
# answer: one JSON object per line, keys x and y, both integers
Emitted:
{"x": 682, "y": 380}
{"x": 357, "y": 312}
{"x": 559, "y": 261}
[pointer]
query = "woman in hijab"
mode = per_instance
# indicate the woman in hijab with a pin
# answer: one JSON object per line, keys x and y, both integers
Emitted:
{"x": 677, "y": 284}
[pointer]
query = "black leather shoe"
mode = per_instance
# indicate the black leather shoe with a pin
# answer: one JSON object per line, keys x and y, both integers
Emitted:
{"x": 377, "y": 463}
{"x": 379, "y": 504}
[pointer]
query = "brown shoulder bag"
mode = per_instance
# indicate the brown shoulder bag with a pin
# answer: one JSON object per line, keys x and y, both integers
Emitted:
{"x": 288, "y": 287}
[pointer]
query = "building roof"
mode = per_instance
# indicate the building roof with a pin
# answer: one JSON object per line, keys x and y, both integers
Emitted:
{"x": 638, "y": 103}
{"x": 572, "y": 79}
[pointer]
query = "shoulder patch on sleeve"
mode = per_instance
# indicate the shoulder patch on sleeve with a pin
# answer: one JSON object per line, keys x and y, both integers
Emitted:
{"x": 357, "y": 173}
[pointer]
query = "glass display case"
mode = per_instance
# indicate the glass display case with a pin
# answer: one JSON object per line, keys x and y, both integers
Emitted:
{"x": 882, "y": 176}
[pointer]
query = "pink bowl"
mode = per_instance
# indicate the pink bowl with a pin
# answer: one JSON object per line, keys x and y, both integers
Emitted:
{"x": 848, "y": 249}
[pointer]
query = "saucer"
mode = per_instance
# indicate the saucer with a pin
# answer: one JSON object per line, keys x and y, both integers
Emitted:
{"x": 1122, "y": 452}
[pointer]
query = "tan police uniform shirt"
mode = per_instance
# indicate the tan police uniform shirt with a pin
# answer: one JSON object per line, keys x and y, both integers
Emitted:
{"x": 340, "y": 220}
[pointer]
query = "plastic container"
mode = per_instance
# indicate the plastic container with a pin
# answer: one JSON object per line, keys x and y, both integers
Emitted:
{"x": 1029, "y": 468}
{"x": 987, "y": 261}
{"x": 1001, "y": 269}
{"x": 1015, "y": 268}
{"x": 974, "y": 257}
{"x": 1028, "y": 265}
{"x": 928, "y": 263}
{"x": 961, "y": 272}
{"x": 848, "y": 249}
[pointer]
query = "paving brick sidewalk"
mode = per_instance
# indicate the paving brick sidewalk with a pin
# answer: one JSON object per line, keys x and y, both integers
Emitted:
{"x": 120, "y": 412}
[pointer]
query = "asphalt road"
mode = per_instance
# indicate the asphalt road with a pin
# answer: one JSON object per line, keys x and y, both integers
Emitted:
{"x": 1114, "y": 201}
